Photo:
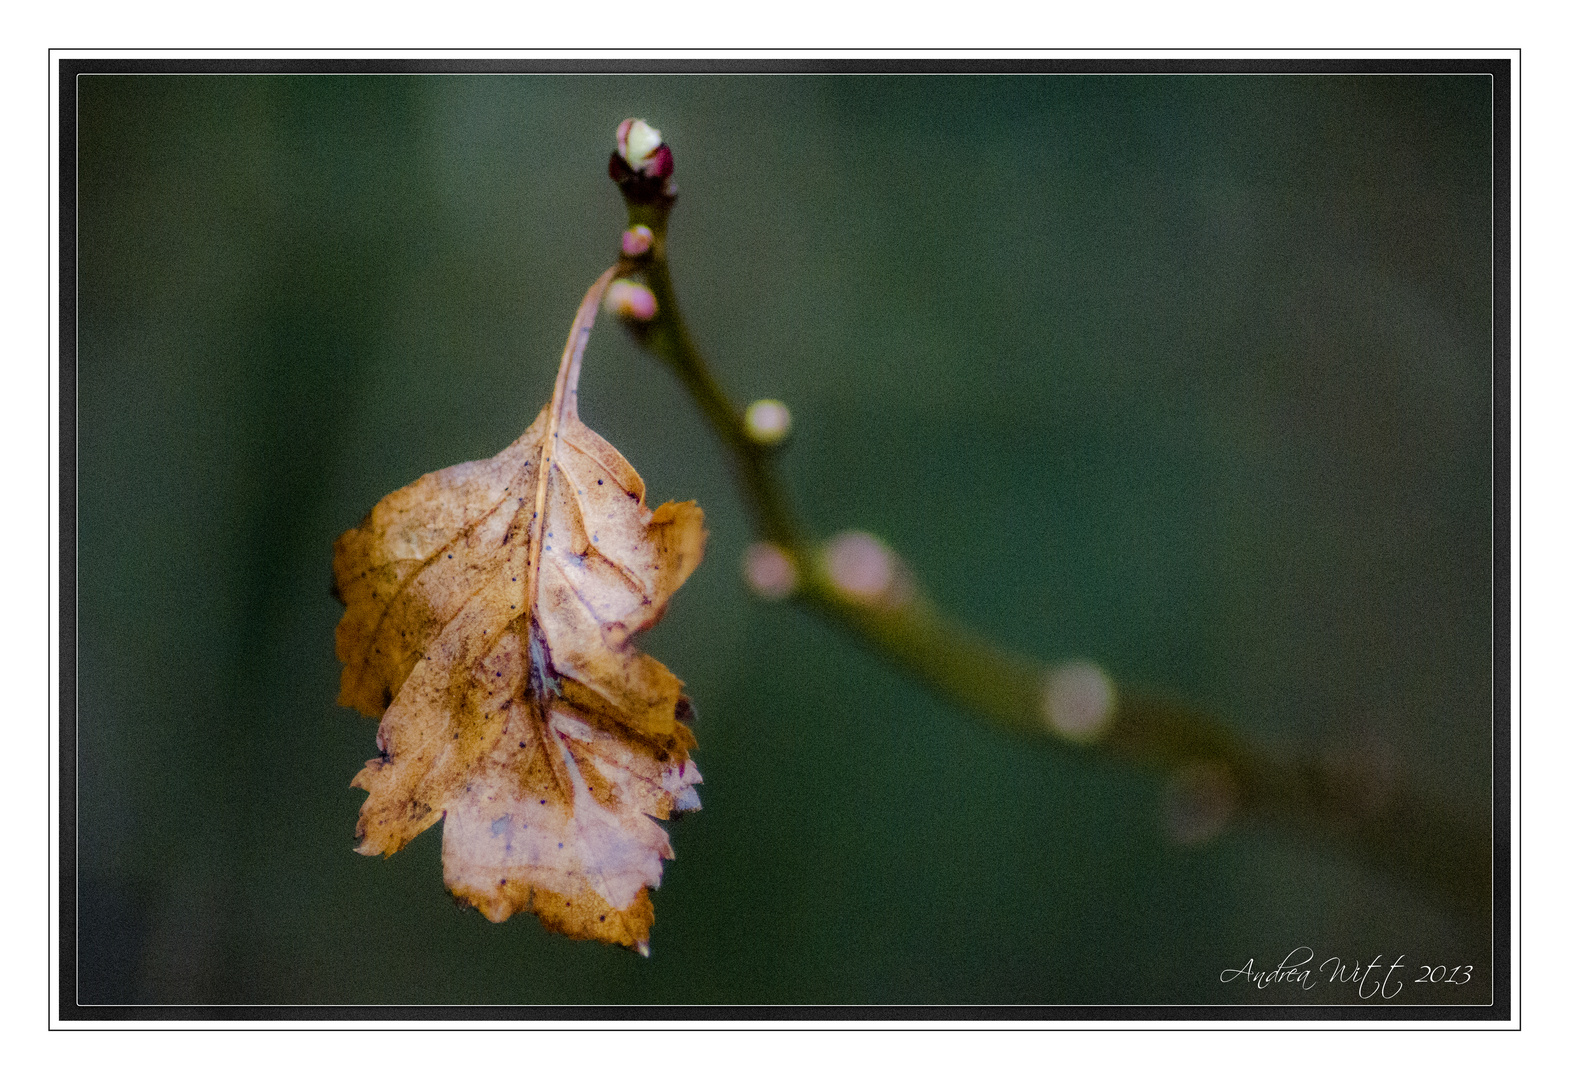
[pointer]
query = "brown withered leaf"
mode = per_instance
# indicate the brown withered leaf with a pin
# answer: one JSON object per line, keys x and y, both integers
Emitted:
{"x": 490, "y": 610}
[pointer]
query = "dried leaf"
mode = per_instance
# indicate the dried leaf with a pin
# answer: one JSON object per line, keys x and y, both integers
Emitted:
{"x": 490, "y": 612}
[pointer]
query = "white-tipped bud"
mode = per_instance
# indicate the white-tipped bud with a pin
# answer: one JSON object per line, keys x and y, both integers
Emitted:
{"x": 767, "y": 422}
{"x": 642, "y": 165}
{"x": 630, "y": 300}
{"x": 1199, "y": 803}
{"x": 1077, "y": 700}
{"x": 637, "y": 142}
{"x": 770, "y": 573}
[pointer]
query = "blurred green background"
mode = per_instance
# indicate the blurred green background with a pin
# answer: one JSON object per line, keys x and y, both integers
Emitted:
{"x": 1188, "y": 375}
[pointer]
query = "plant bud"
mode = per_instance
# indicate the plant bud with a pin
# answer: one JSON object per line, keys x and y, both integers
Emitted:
{"x": 637, "y": 241}
{"x": 767, "y": 422}
{"x": 1078, "y": 700}
{"x": 642, "y": 165}
{"x": 862, "y": 567}
{"x": 630, "y": 300}
{"x": 770, "y": 573}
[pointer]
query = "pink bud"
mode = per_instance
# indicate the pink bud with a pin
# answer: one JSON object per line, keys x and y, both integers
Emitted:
{"x": 637, "y": 241}
{"x": 630, "y": 300}
{"x": 1077, "y": 700}
{"x": 862, "y": 566}
{"x": 769, "y": 571}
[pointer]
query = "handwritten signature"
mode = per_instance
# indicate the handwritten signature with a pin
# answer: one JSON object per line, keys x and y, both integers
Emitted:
{"x": 1378, "y": 979}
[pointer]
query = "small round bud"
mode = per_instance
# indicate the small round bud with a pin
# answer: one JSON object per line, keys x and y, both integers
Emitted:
{"x": 630, "y": 300}
{"x": 862, "y": 566}
{"x": 770, "y": 573}
{"x": 637, "y": 241}
{"x": 1199, "y": 803}
{"x": 1077, "y": 700}
{"x": 767, "y": 422}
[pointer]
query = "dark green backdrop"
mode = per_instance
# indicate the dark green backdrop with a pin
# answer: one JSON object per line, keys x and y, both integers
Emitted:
{"x": 1189, "y": 375}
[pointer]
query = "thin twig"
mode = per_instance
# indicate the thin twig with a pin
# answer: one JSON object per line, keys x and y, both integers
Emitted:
{"x": 1445, "y": 854}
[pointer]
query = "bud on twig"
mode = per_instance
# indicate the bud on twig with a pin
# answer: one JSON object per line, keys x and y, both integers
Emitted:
{"x": 637, "y": 241}
{"x": 767, "y": 422}
{"x": 642, "y": 164}
{"x": 770, "y": 573}
{"x": 864, "y": 569}
{"x": 1077, "y": 700}
{"x": 630, "y": 300}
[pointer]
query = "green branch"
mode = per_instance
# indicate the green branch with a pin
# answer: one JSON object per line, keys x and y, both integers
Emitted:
{"x": 860, "y": 585}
